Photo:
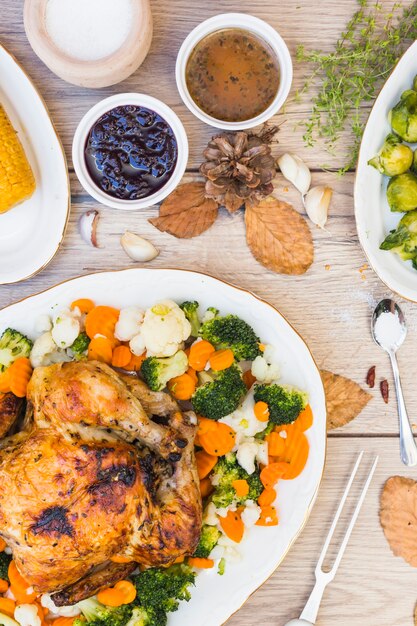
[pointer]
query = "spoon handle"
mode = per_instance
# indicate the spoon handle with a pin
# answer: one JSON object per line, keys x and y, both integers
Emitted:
{"x": 408, "y": 448}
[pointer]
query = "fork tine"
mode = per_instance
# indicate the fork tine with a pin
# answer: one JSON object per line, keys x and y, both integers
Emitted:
{"x": 338, "y": 513}
{"x": 354, "y": 518}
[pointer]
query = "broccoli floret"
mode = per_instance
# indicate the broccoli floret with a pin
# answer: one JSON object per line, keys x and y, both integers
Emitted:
{"x": 97, "y": 614}
{"x": 162, "y": 588}
{"x": 157, "y": 372}
{"x": 208, "y": 540}
{"x": 80, "y": 346}
{"x": 147, "y": 617}
{"x": 285, "y": 405}
{"x": 191, "y": 313}
{"x": 4, "y": 565}
{"x": 220, "y": 394}
{"x": 210, "y": 314}
{"x": 13, "y": 345}
{"x": 226, "y": 471}
{"x": 234, "y": 333}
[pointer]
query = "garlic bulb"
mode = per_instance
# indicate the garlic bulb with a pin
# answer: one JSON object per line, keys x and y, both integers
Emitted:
{"x": 137, "y": 248}
{"x": 316, "y": 203}
{"x": 296, "y": 171}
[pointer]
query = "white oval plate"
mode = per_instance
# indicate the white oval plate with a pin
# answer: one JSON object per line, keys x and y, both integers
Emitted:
{"x": 31, "y": 233}
{"x": 374, "y": 219}
{"x": 215, "y": 598}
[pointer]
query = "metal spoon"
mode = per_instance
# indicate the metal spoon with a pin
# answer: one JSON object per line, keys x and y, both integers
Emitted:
{"x": 389, "y": 331}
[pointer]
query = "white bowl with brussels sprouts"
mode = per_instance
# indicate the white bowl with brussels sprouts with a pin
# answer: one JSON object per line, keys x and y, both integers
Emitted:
{"x": 386, "y": 181}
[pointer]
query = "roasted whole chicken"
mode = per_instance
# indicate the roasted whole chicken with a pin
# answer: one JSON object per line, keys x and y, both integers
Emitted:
{"x": 101, "y": 477}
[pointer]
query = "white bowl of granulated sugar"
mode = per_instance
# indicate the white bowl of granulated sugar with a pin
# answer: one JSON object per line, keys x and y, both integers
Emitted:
{"x": 91, "y": 43}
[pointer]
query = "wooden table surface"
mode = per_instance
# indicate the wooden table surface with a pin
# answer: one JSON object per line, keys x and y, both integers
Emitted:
{"x": 330, "y": 306}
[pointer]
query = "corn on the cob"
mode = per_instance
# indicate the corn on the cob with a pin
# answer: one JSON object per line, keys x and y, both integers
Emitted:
{"x": 17, "y": 182}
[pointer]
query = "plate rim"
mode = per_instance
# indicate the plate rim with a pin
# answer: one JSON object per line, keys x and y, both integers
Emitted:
{"x": 263, "y": 301}
{"x": 359, "y": 230}
{"x": 68, "y": 187}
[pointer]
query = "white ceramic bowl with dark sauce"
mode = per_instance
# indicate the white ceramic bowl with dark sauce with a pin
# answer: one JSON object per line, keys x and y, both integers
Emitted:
{"x": 257, "y": 27}
{"x": 82, "y": 134}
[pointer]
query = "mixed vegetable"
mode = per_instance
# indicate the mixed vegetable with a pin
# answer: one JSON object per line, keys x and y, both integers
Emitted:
{"x": 251, "y": 434}
{"x": 397, "y": 160}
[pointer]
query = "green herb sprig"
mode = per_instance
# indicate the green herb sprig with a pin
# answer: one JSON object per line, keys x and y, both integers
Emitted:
{"x": 354, "y": 72}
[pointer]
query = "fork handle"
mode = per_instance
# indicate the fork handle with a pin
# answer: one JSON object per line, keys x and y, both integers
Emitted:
{"x": 408, "y": 449}
{"x": 311, "y": 609}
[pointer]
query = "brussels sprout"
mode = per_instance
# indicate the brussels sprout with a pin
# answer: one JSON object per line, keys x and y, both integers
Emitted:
{"x": 393, "y": 158}
{"x": 403, "y": 117}
{"x": 403, "y": 240}
{"x": 402, "y": 192}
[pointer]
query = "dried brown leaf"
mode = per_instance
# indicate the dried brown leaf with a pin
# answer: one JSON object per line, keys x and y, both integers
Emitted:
{"x": 398, "y": 516}
{"x": 345, "y": 399}
{"x": 279, "y": 237}
{"x": 186, "y": 212}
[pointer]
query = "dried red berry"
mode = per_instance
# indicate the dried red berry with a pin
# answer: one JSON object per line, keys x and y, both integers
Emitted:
{"x": 370, "y": 377}
{"x": 384, "y": 390}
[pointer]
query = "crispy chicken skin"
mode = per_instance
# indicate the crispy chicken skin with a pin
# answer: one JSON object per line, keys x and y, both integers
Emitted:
{"x": 10, "y": 408}
{"x": 77, "y": 490}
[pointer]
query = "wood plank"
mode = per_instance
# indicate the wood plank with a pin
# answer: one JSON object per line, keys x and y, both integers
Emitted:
{"x": 372, "y": 586}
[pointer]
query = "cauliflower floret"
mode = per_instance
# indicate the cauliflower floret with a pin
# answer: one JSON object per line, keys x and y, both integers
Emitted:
{"x": 231, "y": 553}
{"x": 27, "y": 615}
{"x": 243, "y": 420}
{"x": 262, "y": 454}
{"x": 66, "y": 328}
{"x": 43, "y": 324}
{"x": 246, "y": 456}
{"x": 263, "y": 371}
{"x": 46, "y": 352}
{"x": 129, "y": 322}
{"x": 59, "y": 611}
{"x": 210, "y": 515}
{"x": 137, "y": 344}
{"x": 164, "y": 329}
{"x": 250, "y": 514}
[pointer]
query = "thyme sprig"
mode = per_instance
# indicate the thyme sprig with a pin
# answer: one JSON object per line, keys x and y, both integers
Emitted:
{"x": 353, "y": 73}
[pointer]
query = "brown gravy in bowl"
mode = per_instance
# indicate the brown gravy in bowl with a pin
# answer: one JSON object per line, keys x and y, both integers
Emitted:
{"x": 232, "y": 75}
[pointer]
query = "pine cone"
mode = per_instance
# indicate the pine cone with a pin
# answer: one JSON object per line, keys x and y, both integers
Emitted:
{"x": 239, "y": 168}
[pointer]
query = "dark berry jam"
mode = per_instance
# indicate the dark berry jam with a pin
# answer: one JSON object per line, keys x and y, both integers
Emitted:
{"x": 131, "y": 152}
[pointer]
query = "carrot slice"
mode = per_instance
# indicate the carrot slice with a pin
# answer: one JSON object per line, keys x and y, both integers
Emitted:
{"x": 205, "y": 463}
{"x": 305, "y": 419}
{"x": 85, "y": 305}
{"x": 233, "y": 526}
{"x": 219, "y": 440}
{"x": 100, "y": 349}
{"x": 121, "y": 356}
{"x": 123, "y": 592}
{"x": 3, "y": 544}
{"x": 20, "y": 373}
{"x": 261, "y": 410}
{"x": 276, "y": 444}
{"x": 135, "y": 362}
{"x": 19, "y": 586}
{"x": 101, "y": 321}
{"x": 4, "y": 585}
{"x": 7, "y": 606}
{"x": 200, "y": 353}
{"x": 241, "y": 486}
{"x": 200, "y": 563}
{"x": 191, "y": 372}
{"x": 267, "y": 497}
{"x": 248, "y": 379}
{"x": 205, "y": 425}
{"x": 64, "y": 621}
{"x": 5, "y": 381}
{"x": 182, "y": 387}
{"x": 206, "y": 487}
{"x": 269, "y": 516}
{"x": 296, "y": 453}
{"x": 272, "y": 473}
{"x": 221, "y": 360}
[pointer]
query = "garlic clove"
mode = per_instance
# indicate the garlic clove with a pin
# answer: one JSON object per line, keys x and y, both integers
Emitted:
{"x": 317, "y": 202}
{"x": 137, "y": 248}
{"x": 88, "y": 227}
{"x": 296, "y": 171}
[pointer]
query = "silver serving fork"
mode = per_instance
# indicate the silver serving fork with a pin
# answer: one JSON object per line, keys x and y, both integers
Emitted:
{"x": 309, "y": 615}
